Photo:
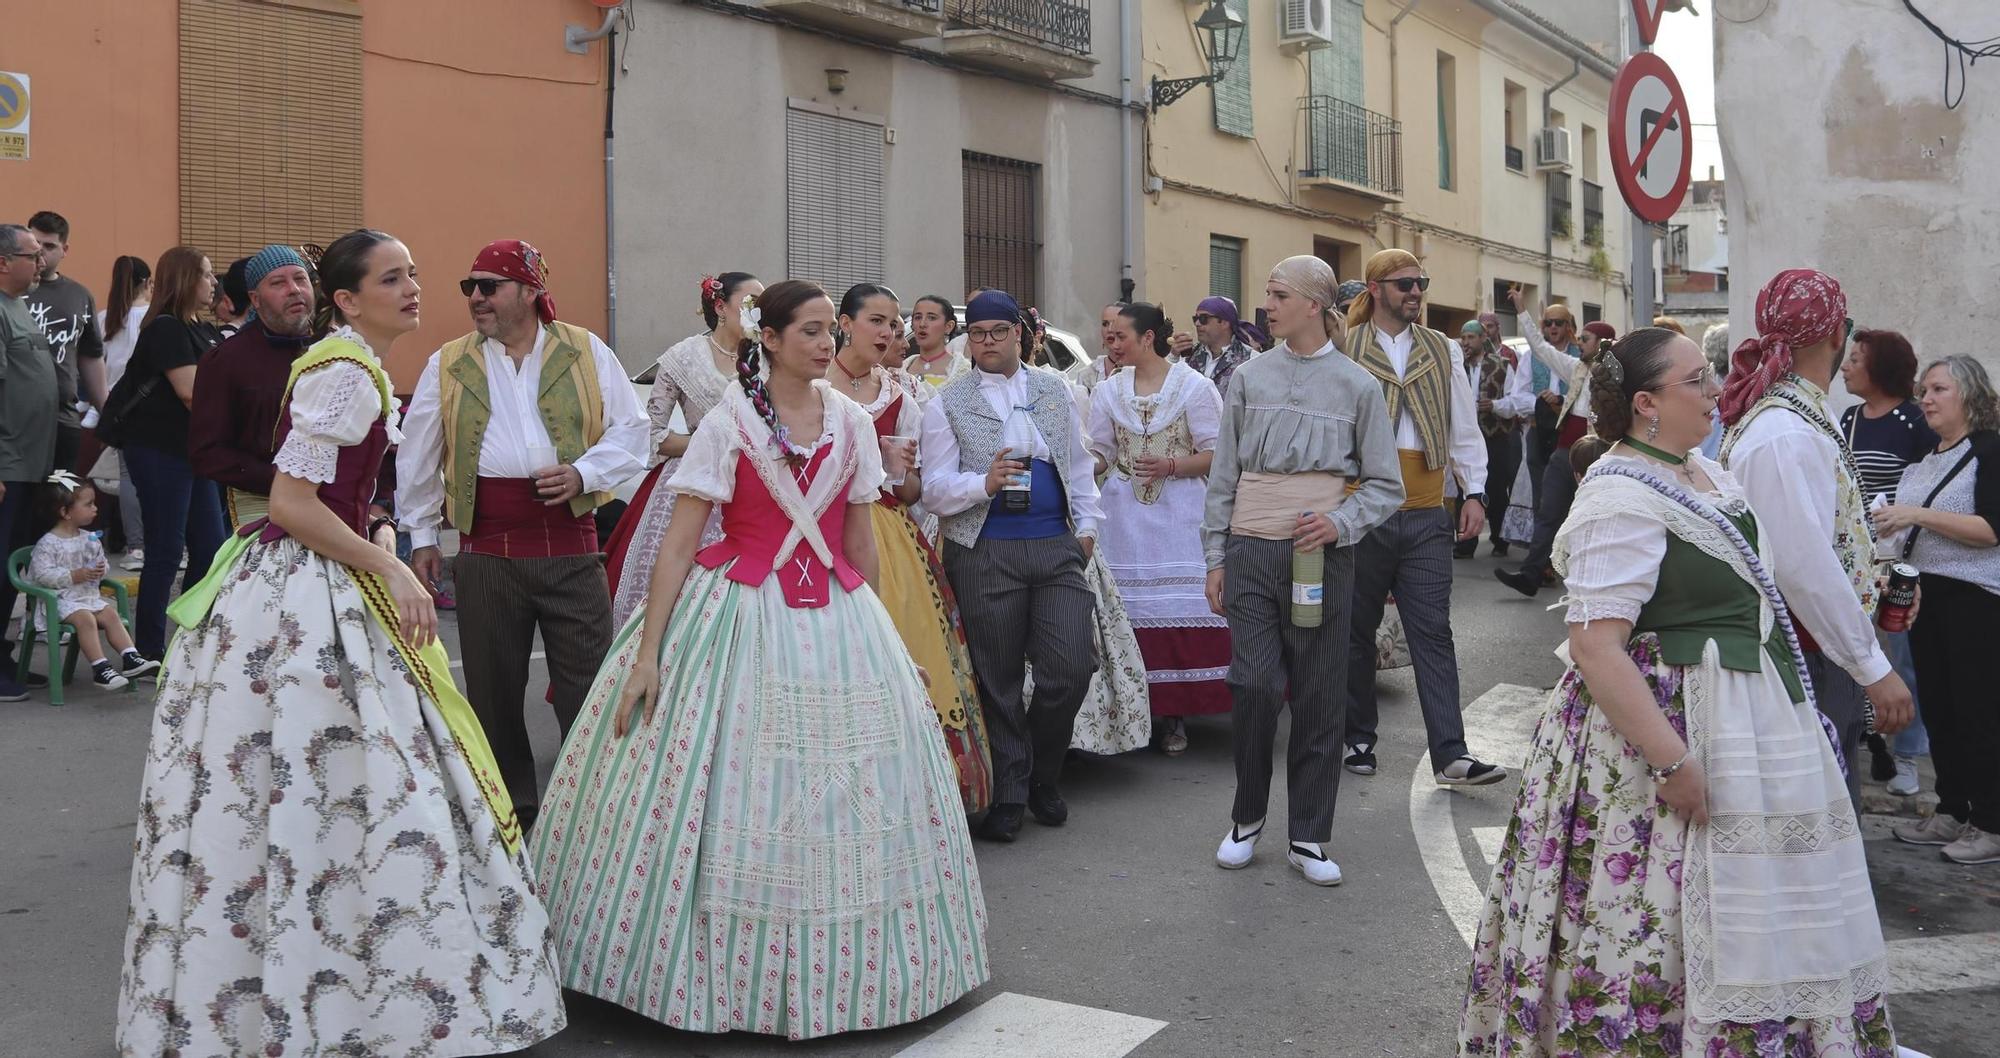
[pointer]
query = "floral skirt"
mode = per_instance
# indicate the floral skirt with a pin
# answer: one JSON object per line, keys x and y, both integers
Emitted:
{"x": 1579, "y": 950}
{"x": 1117, "y": 711}
{"x": 316, "y": 870}
{"x": 919, "y": 601}
{"x": 781, "y": 848}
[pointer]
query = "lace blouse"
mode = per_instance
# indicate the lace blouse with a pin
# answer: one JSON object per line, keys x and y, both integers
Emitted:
{"x": 332, "y": 406}
{"x": 687, "y": 377}
{"x": 708, "y": 469}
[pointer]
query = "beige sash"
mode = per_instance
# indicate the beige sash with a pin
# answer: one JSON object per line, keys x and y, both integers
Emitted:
{"x": 1268, "y": 505}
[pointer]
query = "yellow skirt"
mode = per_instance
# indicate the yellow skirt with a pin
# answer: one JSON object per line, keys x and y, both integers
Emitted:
{"x": 914, "y": 591}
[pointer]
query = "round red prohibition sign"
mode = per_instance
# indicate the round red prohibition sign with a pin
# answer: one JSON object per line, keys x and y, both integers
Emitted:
{"x": 1652, "y": 138}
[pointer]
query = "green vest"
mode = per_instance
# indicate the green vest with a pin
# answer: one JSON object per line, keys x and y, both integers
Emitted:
{"x": 1424, "y": 389}
{"x": 1698, "y": 598}
{"x": 571, "y": 403}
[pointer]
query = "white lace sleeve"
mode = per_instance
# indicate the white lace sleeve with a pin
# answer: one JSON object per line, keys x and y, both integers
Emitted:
{"x": 1613, "y": 564}
{"x": 333, "y": 406}
{"x": 868, "y": 472}
{"x": 48, "y": 568}
{"x": 660, "y": 409}
{"x": 708, "y": 467}
{"x": 1204, "y": 415}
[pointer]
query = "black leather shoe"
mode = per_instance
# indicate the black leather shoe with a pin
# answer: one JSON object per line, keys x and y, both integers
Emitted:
{"x": 1500, "y": 549}
{"x": 1525, "y": 583}
{"x": 1002, "y": 823}
{"x": 1046, "y": 802}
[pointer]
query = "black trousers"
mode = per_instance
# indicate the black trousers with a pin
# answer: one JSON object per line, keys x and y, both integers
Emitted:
{"x": 1552, "y": 502}
{"x": 1958, "y": 669}
{"x": 1503, "y": 462}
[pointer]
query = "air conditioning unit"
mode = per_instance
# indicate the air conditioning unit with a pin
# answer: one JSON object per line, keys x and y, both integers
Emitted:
{"x": 1552, "y": 149}
{"x": 1306, "y": 25}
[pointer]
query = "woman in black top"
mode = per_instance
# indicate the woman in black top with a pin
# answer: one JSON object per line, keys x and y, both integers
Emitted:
{"x": 182, "y": 511}
{"x": 1886, "y": 432}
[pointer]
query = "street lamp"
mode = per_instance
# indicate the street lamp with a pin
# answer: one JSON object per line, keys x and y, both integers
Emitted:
{"x": 1220, "y": 40}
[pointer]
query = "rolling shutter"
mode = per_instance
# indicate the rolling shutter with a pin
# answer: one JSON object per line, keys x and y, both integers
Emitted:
{"x": 833, "y": 199}
{"x": 1232, "y": 93}
{"x": 1225, "y": 268}
{"x": 270, "y": 123}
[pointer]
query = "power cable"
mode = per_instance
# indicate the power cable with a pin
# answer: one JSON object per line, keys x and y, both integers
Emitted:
{"x": 1959, "y": 55}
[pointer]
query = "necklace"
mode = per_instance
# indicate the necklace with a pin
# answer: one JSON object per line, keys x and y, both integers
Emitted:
{"x": 853, "y": 380}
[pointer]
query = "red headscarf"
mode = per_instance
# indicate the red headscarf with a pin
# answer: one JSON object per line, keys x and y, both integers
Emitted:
{"x": 522, "y": 263}
{"x": 1798, "y": 307}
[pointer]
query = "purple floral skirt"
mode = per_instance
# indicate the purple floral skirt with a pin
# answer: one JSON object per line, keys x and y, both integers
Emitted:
{"x": 1579, "y": 948}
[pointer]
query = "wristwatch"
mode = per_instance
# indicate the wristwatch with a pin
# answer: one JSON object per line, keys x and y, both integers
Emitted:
{"x": 1479, "y": 496}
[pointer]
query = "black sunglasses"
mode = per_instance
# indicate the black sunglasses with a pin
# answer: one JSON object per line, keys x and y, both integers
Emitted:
{"x": 1408, "y": 283}
{"x": 484, "y": 286}
{"x": 1200, "y": 318}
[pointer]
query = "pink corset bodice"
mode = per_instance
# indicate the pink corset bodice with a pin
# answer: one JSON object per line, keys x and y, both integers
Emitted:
{"x": 754, "y": 527}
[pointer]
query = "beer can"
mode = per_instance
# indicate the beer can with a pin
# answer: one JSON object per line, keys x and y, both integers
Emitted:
{"x": 1899, "y": 597}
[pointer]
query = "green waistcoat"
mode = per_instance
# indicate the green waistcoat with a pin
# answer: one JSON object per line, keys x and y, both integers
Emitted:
{"x": 570, "y": 402}
{"x": 1699, "y": 597}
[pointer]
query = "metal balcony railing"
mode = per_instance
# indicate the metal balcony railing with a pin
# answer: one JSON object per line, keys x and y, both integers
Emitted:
{"x": 1593, "y": 213}
{"x": 1060, "y": 24}
{"x": 1515, "y": 161}
{"x": 1352, "y": 144}
{"x": 930, "y": 6}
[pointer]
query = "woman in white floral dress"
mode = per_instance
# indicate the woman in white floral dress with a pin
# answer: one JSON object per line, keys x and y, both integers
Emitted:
{"x": 691, "y": 376}
{"x": 1684, "y": 875}
{"x": 327, "y": 862}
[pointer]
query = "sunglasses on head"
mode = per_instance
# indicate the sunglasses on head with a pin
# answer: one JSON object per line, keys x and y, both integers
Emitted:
{"x": 1408, "y": 283}
{"x": 484, "y": 286}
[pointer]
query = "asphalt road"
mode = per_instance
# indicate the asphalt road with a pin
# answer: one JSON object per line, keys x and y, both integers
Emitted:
{"x": 1120, "y": 919}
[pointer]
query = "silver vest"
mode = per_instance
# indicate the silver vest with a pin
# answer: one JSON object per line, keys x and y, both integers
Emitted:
{"x": 980, "y": 436}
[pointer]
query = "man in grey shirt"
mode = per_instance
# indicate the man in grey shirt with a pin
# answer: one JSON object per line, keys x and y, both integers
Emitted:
{"x": 1305, "y": 461}
{"x": 67, "y": 315}
{"x": 27, "y": 416}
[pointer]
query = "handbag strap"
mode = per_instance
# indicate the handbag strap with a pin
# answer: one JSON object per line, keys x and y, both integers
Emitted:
{"x": 1910, "y": 541}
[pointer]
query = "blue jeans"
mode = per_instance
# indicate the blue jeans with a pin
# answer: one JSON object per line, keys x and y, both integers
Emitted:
{"x": 182, "y": 511}
{"x": 1912, "y": 741}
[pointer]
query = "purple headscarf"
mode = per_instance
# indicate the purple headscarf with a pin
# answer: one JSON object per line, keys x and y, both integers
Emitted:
{"x": 1223, "y": 308}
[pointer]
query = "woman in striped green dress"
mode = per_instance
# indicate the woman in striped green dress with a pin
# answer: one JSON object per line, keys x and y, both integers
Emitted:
{"x": 755, "y": 823}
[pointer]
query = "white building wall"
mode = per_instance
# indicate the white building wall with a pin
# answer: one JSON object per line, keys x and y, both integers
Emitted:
{"x": 1842, "y": 156}
{"x": 701, "y": 167}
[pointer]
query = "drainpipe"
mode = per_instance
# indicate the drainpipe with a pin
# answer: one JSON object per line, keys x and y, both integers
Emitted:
{"x": 1395, "y": 92}
{"x": 1126, "y": 199}
{"x": 1548, "y": 212}
{"x": 610, "y": 191}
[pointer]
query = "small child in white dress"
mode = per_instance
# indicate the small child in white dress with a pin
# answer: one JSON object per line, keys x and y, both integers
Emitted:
{"x": 71, "y": 563}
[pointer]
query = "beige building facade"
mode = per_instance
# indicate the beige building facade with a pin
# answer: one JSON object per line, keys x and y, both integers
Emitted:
{"x": 1416, "y": 125}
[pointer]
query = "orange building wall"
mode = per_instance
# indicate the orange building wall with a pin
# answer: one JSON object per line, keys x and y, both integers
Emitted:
{"x": 105, "y": 148}
{"x": 477, "y": 125}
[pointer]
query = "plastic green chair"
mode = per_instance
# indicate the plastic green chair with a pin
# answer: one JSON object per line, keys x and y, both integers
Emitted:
{"x": 59, "y": 634}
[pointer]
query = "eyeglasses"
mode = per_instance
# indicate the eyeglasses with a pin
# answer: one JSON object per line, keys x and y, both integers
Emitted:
{"x": 1201, "y": 318}
{"x": 1408, "y": 283}
{"x": 484, "y": 286}
{"x": 1702, "y": 378}
{"x": 35, "y": 253}
{"x": 1558, "y": 322}
{"x": 990, "y": 335}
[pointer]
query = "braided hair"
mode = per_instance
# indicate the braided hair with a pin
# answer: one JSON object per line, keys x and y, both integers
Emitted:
{"x": 776, "y": 307}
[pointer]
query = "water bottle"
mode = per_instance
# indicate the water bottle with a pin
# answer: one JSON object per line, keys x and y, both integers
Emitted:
{"x": 1019, "y": 437}
{"x": 1308, "y": 587}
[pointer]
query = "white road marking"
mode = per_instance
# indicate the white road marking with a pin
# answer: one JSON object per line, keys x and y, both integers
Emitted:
{"x": 1502, "y": 724}
{"x": 536, "y": 656}
{"x": 1019, "y": 1026}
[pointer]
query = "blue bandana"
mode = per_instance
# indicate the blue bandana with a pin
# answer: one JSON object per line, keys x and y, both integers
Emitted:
{"x": 993, "y": 306}
{"x": 270, "y": 259}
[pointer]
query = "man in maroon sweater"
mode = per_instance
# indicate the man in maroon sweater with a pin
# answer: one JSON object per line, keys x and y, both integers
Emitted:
{"x": 239, "y": 388}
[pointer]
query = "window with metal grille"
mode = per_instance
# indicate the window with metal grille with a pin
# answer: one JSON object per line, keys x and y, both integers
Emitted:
{"x": 1232, "y": 92}
{"x": 1003, "y": 245}
{"x": 1225, "y": 267}
{"x": 268, "y": 159}
{"x": 833, "y": 197}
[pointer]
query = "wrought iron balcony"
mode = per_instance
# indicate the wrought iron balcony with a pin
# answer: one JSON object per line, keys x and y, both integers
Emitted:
{"x": 894, "y": 20}
{"x": 1060, "y": 24}
{"x": 1593, "y": 213}
{"x": 1352, "y": 148}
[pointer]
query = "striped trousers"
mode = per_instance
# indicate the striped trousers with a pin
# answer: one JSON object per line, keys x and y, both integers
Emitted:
{"x": 1026, "y": 602}
{"x": 501, "y": 602}
{"x": 1410, "y": 554}
{"x": 1271, "y": 659}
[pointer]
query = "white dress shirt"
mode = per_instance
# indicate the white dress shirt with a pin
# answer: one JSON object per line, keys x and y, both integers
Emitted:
{"x": 1788, "y": 467}
{"x": 949, "y": 490}
{"x": 515, "y": 427}
{"x": 1467, "y": 445}
{"x": 1570, "y": 369}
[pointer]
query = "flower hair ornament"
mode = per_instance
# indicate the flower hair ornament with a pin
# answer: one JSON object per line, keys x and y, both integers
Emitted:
{"x": 750, "y": 317}
{"x": 66, "y": 480}
{"x": 711, "y": 291}
{"x": 1614, "y": 372}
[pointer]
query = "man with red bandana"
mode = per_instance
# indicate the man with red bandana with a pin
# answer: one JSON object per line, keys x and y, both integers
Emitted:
{"x": 1794, "y": 464}
{"x": 516, "y": 434}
